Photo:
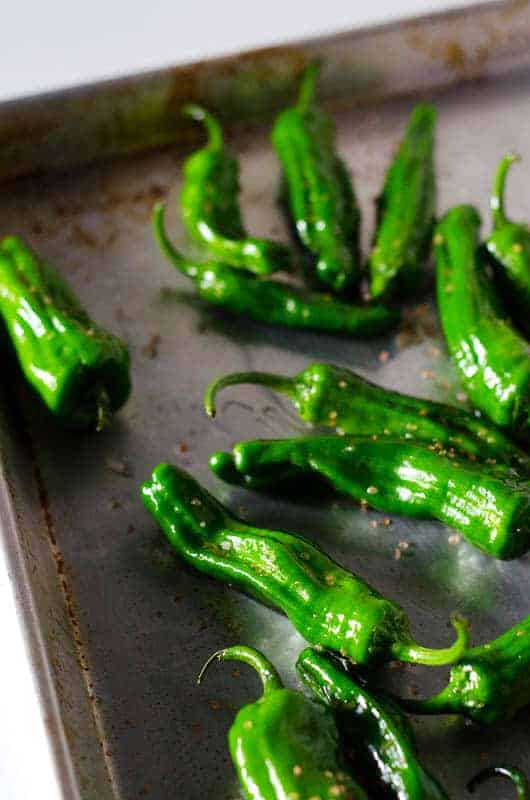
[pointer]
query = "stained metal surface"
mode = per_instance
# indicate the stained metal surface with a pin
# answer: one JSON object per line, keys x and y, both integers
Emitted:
{"x": 141, "y": 111}
{"x": 118, "y": 628}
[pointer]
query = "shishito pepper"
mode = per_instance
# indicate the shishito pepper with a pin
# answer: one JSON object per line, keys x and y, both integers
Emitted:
{"x": 509, "y": 248}
{"x": 272, "y": 301}
{"x": 375, "y": 732}
{"x": 491, "y": 508}
{"x": 406, "y": 210}
{"x": 335, "y": 397}
{"x": 317, "y": 188}
{"x": 210, "y": 208}
{"x": 489, "y": 683}
{"x": 516, "y": 776}
{"x": 491, "y": 358}
{"x": 285, "y": 745}
{"x": 79, "y": 370}
{"x": 327, "y": 605}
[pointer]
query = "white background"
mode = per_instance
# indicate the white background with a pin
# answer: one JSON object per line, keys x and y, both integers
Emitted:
{"x": 56, "y": 43}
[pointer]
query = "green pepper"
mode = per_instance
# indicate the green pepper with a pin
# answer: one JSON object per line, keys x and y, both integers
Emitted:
{"x": 518, "y": 778}
{"x": 327, "y": 605}
{"x": 285, "y": 746}
{"x": 491, "y": 358}
{"x": 396, "y": 476}
{"x": 317, "y": 188}
{"x": 509, "y": 249}
{"x": 406, "y": 210}
{"x": 210, "y": 209}
{"x": 79, "y": 370}
{"x": 334, "y": 397}
{"x": 375, "y": 732}
{"x": 272, "y": 301}
{"x": 489, "y": 683}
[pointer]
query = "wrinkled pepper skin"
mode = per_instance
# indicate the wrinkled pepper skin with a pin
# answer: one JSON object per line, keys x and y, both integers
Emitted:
{"x": 518, "y": 779}
{"x": 210, "y": 208}
{"x": 489, "y": 683}
{"x": 509, "y": 249}
{"x": 491, "y": 358}
{"x": 373, "y": 729}
{"x": 271, "y": 301}
{"x": 79, "y": 370}
{"x": 406, "y": 211}
{"x": 334, "y": 397}
{"x": 317, "y": 188}
{"x": 285, "y": 745}
{"x": 395, "y": 476}
{"x": 327, "y": 605}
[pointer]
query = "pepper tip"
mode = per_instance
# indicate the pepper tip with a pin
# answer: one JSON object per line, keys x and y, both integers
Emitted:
{"x": 517, "y": 777}
{"x": 193, "y": 111}
{"x": 217, "y": 655}
{"x": 416, "y": 654}
{"x": 103, "y": 409}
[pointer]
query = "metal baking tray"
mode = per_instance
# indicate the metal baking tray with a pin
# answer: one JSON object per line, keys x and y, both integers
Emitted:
{"x": 117, "y": 628}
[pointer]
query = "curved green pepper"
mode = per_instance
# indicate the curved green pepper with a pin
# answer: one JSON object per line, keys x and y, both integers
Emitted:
{"x": 271, "y": 301}
{"x": 327, "y": 605}
{"x": 373, "y": 729}
{"x": 396, "y": 476}
{"x": 406, "y": 210}
{"x": 335, "y": 397}
{"x": 285, "y": 745}
{"x": 518, "y": 778}
{"x": 491, "y": 358}
{"x": 489, "y": 683}
{"x": 318, "y": 190}
{"x": 210, "y": 208}
{"x": 79, "y": 370}
{"x": 509, "y": 248}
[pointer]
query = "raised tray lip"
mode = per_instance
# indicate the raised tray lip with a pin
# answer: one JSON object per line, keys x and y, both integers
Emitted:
{"x": 24, "y": 591}
{"x": 61, "y": 128}
{"x": 332, "y": 37}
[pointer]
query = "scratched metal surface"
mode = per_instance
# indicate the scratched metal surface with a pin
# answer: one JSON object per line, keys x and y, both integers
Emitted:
{"x": 118, "y": 629}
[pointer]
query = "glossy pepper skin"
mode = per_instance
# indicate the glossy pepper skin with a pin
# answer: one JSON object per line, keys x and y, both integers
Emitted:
{"x": 271, "y": 301}
{"x": 518, "y": 779}
{"x": 210, "y": 208}
{"x": 405, "y": 211}
{"x": 489, "y": 683}
{"x": 79, "y": 370}
{"x": 318, "y": 191}
{"x": 509, "y": 249}
{"x": 396, "y": 476}
{"x": 285, "y": 745}
{"x": 374, "y": 730}
{"x": 327, "y": 605}
{"x": 334, "y": 397}
{"x": 491, "y": 358}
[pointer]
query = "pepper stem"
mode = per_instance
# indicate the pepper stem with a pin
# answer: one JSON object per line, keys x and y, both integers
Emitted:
{"x": 268, "y": 674}
{"x": 213, "y": 127}
{"x": 103, "y": 409}
{"x": 415, "y": 654}
{"x": 306, "y": 93}
{"x": 518, "y": 778}
{"x": 440, "y": 703}
{"x": 497, "y": 192}
{"x": 277, "y": 382}
{"x": 171, "y": 253}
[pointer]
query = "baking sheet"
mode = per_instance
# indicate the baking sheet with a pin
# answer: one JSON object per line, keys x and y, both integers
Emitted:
{"x": 117, "y": 627}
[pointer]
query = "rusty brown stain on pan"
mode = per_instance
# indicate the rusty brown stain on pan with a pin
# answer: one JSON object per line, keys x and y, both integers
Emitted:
{"x": 70, "y": 604}
{"x": 464, "y": 62}
{"x": 515, "y": 7}
{"x": 467, "y": 62}
{"x": 235, "y": 83}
